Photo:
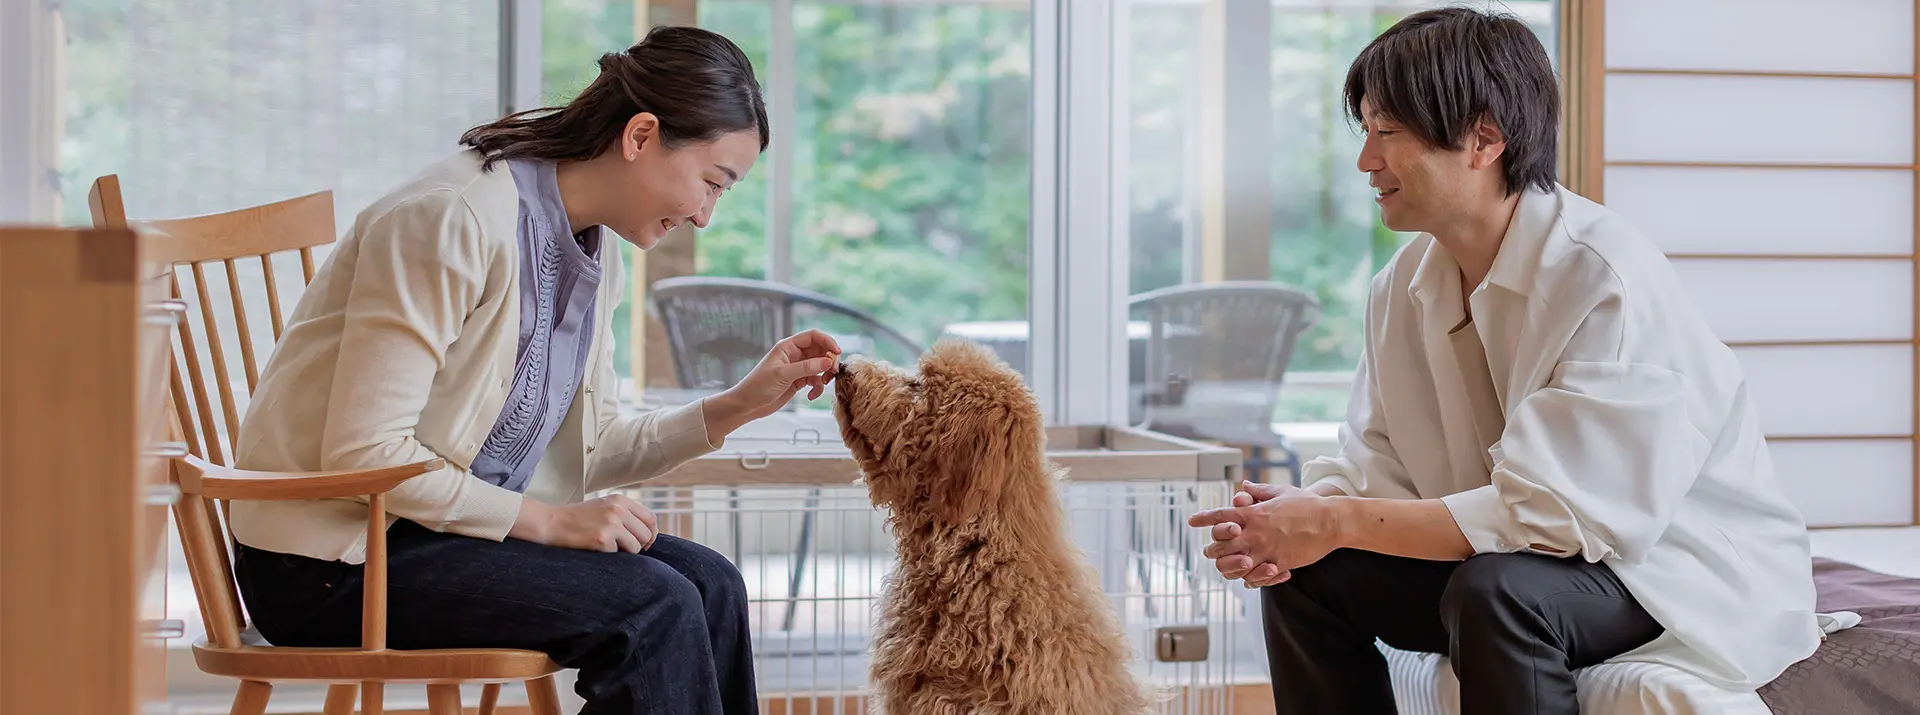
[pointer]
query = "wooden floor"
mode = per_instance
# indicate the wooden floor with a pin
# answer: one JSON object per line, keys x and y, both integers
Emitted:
{"x": 1247, "y": 700}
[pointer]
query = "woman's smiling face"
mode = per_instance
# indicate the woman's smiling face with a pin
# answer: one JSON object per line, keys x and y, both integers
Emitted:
{"x": 670, "y": 186}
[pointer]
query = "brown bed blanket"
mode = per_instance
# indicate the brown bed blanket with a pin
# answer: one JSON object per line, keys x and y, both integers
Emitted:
{"x": 1869, "y": 669}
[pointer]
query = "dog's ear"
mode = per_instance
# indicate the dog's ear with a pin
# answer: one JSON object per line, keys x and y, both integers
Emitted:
{"x": 976, "y": 459}
{"x": 984, "y": 423}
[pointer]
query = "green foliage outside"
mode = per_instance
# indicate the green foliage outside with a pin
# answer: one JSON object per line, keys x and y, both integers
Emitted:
{"x": 911, "y": 138}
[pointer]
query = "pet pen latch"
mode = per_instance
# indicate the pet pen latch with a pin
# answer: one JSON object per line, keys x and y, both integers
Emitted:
{"x": 1173, "y": 644}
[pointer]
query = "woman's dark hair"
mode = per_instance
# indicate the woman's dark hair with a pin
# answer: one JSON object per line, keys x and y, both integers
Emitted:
{"x": 698, "y": 83}
{"x": 1438, "y": 72}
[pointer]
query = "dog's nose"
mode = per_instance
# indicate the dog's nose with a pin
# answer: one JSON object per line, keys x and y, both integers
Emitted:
{"x": 841, "y": 370}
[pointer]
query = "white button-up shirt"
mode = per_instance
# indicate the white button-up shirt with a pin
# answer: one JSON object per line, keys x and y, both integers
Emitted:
{"x": 1615, "y": 428}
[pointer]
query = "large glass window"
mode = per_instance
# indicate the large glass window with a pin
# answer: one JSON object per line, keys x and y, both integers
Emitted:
{"x": 892, "y": 208}
{"x": 1321, "y": 234}
{"x": 209, "y": 105}
{"x": 893, "y": 205}
{"x": 204, "y": 106}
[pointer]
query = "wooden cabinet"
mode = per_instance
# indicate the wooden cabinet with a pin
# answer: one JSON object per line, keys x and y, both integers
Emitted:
{"x": 84, "y": 489}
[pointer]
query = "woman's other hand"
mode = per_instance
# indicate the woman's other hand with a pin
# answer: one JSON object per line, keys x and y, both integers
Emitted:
{"x": 804, "y": 361}
{"x": 610, "y": 523}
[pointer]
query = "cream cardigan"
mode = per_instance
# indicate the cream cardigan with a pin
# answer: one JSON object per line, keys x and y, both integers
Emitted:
{"x": 402, "y": 350}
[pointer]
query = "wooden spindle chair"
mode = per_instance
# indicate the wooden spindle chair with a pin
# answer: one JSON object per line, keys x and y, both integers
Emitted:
{"x": 205, "y": 418}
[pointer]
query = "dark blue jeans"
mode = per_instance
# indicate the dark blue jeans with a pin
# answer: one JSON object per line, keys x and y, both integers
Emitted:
{"x": 664, "y": 631}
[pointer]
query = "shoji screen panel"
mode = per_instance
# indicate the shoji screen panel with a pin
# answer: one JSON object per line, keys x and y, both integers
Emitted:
{"x": 1769, "y": 147}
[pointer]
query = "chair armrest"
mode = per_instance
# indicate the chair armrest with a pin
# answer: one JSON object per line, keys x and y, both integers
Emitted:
{"x": 198, "y": 476}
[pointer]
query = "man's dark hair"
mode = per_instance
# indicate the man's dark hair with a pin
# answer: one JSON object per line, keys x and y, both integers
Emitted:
{"x": 1438, "y": 72}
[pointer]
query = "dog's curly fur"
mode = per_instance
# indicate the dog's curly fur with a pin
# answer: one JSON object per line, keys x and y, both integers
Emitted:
{"x": 992, "y": 610}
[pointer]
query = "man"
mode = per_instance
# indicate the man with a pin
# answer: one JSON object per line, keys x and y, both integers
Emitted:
{"x": 1549, "y": 461}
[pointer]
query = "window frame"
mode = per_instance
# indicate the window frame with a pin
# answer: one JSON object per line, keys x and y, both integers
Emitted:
{"x": 30, "y": 111}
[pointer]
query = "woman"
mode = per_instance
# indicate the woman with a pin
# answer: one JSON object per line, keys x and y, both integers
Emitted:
{"x": 467, "y": 315}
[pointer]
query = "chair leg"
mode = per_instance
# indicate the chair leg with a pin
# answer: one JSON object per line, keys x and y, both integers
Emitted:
{"x": 340, "y": 698}
{"x": 373, "y": 698}
{"x": 443, "y": 699}
{"x": 252, "y": 698}
{"x": 800, "y": 549}
{"x": 542, "y": 697}
{"x": 489, "y": 698}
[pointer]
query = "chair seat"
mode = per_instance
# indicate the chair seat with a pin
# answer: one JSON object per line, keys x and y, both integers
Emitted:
{"x": 347, "y": 665}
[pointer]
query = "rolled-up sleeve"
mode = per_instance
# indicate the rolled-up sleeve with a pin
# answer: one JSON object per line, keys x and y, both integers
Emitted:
{"x": 1593, "y": 465}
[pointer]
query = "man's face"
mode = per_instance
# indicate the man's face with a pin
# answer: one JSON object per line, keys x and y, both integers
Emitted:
{"x": 1418, "y": 187}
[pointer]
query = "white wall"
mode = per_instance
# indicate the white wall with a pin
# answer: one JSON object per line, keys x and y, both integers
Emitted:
{"x": 1768, "y": 146}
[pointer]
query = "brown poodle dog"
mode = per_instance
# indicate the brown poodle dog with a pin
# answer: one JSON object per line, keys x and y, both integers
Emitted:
{"x": 992, "y": 610}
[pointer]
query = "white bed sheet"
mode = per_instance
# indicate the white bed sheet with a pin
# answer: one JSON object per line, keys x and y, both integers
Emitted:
{"x": 1423, "y": 683}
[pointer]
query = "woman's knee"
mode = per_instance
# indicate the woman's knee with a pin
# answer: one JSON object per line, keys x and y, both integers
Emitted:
{"x": 718, "y": 580}
{"x": 654, "y": 595}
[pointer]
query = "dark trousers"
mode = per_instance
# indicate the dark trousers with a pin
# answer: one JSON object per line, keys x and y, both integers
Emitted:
{"x": 664, "y": 631}
{"x": 1514, "y": 626}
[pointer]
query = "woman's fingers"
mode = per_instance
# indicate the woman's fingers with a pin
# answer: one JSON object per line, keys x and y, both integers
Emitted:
{"x": 814, "y": 340}
{"x": 624, "y": 540}
{"x": 635, "y": 508}
{"x": 805, "y": 369}
{"x": 637, "y": 530}
{"x": 635, "y": 523}
{"x": 807, "y": 344}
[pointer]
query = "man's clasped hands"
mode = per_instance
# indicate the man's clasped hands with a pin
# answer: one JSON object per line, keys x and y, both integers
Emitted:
{"x": 1270, "y": 530}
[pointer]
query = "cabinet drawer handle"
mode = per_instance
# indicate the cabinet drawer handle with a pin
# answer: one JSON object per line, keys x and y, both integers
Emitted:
{"x": 166, "y": 312}
{"x": 166, "y": 629}
{"x": 163, "y": 495}
{"x": 168, "y": 450}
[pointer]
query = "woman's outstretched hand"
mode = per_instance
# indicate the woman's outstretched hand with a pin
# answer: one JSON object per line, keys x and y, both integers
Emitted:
{"x": 805, "y": 361}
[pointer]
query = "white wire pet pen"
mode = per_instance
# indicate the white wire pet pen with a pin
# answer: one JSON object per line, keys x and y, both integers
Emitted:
{"x": 782, "y": 502}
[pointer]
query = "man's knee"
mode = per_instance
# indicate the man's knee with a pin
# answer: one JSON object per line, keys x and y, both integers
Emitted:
{"x": 1487, "y": 583}
{"x": 1338, "y": 570}
{"x": 1314, "y": 589}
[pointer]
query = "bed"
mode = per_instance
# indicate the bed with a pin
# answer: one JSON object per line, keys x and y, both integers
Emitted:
{"x": 1872, "y": 572}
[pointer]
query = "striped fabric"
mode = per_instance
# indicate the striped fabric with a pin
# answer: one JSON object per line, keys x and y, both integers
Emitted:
{"x": 1423, "y": 684}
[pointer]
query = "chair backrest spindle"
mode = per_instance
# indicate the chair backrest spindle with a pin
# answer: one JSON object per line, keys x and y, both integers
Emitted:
{"x": 273, "y": 299}
{"x": 210, "y": 431}
{"x": 240, "y": 325}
